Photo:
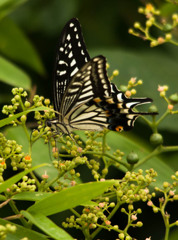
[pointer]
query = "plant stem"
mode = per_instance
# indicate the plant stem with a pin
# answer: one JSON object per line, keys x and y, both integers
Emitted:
{"x": 109, "y": 156}
{"x": 156, "y": 151}
{"x": 162, "y": 117}
{"x": 74, "y": 212}
{"x": 16, "y": 211}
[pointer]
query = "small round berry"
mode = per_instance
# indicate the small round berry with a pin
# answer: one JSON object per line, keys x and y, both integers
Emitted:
{"x": 153, "y": 109}
{"x": 156, "y": 139}
{"x": 174, "y": 98}
{"x": 132, "y": 158}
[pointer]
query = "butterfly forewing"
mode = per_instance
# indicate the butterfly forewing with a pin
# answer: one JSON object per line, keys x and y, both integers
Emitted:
{"x": 71, "y": 56}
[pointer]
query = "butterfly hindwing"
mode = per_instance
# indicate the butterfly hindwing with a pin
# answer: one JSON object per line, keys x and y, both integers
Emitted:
{"x": 89, "y": 83}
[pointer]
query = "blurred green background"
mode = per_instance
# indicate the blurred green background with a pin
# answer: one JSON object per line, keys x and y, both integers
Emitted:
{"x": 29, "y": 33}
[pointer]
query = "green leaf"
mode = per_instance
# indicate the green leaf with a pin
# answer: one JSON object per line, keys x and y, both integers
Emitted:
{"x": 22, "y": 232}
{"x": 8, "y": 120}
{"x": 16, "y": 46}
{"x": 13, "y": 75}
{"x": 7, "y": 6}
{"x": 16, "y": 178}
{"x": 70, "y": 197}
{"x": 2, "y": 198}
{"x": 31, "y": 196}
{"x": 46, "y": 225}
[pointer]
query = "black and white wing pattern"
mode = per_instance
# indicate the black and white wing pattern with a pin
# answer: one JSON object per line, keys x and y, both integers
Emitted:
{"x": 83, "y": 95}
{"x": 71, "y": 56}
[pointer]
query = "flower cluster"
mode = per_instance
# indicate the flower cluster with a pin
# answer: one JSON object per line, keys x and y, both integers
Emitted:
{"x": 153, "y": 17}
{"x": 171, "y": 100}
{"x": 168, "y": 192}
{"x": 26, "y": 185}
{"x": 9, "y": 149}
{"x": 133, "y": 187}
{"x": 8, "y": 228}
{"x": 130, "y": 90}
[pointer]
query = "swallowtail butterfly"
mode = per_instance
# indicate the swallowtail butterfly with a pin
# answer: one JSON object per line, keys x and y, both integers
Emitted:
{"x": 83, "y": 95}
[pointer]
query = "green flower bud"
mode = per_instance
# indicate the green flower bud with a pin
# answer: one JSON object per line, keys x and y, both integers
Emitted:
{"x": 155, "y": 209}
{"x": 47, "y": 101}
{"x": 112, "y": 204}
{"x": 167, "y": 27}
{"x": 17, "y": 97}
{"x": 174, "y": 98}
{"x": 168, "y": 36}
{"x": 153, "y": 109}
{"x": 115, "y": 73}
{"x": 35, "y": 133}
{"x": 20, "y": 90}
{"x": 23, "y": 118}
{"x": 19, "y": 149}
{"x": 123, "y": 88}
{"x": 136, "y": 25}
{"x": 105, "y": 171}
{"x": 153, "y": 43}
{"x": 121, "y": 236}
{"x": 156, "y": 139}
{"x": 7, "y": 150}
{"x": 132, "y": 158}
{"x": 149, "y": 23}
{"x": 166, "y": 184}
{"x": 27, "y": 104}
{"x": 139, "y": 224}
{"x": 130, "y": 207}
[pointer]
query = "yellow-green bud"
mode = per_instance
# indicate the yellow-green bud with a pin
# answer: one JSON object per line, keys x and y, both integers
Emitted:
{"x": 136, "y": 25}
{"x": 18, "y": 149}
{"x": 27, "y": 104}
{"x": 166, "y": 184}
{"x": 174, "y": 16}
{"x": 133, "y": 91}
{"x": 121, "y": 235}
{"x": 23, "y": 118}
{"x": 115, "y": 73}
{"x": 47, "y": 101}
{"x": 20, "y": 90}
{"x": 130, "y": 207}
{"x": 140, "y": 82}
{"x": 153, "y": 43}
{"x": 17, "y": 97}
{"x": 149, "y": 23}
{"x": 168, "y": 36}
{"x": 141, "y": 10}
{"x": 7, "y": 150}
{"x": 139, "y": 224}
{"x": 35, "y": 133}
{"x": 72, "y": 171}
